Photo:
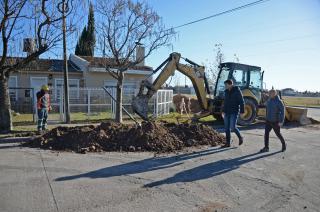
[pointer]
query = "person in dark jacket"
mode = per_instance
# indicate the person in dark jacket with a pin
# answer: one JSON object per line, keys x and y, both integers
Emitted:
{"x": 274, "y": 118}
{"x": 233, "y": 105}
{"x": 43, "y": 107}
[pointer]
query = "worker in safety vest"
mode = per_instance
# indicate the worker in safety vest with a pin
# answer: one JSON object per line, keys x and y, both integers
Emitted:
{"x": 43, "y": 107}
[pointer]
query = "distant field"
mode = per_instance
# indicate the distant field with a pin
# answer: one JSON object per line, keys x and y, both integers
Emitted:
{"x": 302, "y": 101}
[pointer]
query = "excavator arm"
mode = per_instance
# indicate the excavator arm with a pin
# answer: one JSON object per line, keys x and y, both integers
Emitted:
{"x": 193, "y": 71}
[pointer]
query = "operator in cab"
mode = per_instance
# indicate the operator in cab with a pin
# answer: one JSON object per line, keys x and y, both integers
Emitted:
{"x": 274, "y": 119}
{"x": 43, "y": 107}
{"x": 233, "y": 106}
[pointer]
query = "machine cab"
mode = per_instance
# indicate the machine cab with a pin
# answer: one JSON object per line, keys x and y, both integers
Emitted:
{"x": 246, "y": 77}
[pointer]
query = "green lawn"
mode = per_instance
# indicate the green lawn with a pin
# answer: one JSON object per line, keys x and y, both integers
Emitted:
{"x": 25, "y": 119}
{"x": 22, "y": 118}
{"x": 78, "y": 117}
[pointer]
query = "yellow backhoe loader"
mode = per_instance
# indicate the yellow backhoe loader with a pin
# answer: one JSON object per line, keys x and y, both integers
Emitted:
{"x": 248, "y": 78}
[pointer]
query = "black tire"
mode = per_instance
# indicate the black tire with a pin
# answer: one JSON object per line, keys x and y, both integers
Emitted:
{"x": 250, "y": 113}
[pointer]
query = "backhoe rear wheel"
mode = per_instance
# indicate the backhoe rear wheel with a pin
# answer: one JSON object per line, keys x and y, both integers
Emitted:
{"x": 250, "y": 113}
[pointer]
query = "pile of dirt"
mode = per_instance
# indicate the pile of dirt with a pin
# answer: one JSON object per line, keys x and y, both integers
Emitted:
{"x": 195, "y": 107}
{"x": 110, "y": 136}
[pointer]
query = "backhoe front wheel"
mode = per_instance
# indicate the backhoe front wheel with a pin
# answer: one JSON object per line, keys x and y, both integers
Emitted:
{"x": 250, "y": 113}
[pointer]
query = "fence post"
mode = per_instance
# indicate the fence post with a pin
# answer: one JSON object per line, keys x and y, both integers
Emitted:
{"x": 113, "y": 103}
{"x": 34, "y": 106}
{"x": 154, "y": 106}
{"x": 157, "y": 100}
{"x": 61, "y": 109}
{"x": 89, "y": 101}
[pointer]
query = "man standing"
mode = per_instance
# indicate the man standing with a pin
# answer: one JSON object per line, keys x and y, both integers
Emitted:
{"x": 43, "y": 107}
{"x": 274, "y": 118}
{"x": 233, "y": 104}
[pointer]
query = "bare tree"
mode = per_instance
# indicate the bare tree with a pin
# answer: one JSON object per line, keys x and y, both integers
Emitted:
{"x": 213, "y": 67}
{"x": 15, "y": 23}
{"x": 125, "y": 24}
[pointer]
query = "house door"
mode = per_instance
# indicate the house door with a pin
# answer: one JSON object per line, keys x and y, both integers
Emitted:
{"x": 36, "y": 83}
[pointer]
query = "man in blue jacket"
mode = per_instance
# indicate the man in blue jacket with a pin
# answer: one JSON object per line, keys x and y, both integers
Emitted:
{"x": 274, "y": 118}
{"x": 233, "y": 104}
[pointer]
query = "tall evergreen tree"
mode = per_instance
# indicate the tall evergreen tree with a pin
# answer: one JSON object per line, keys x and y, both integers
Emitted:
{"x": 81, "y": 45}
{"x": 91, "y": 35}
{"x": 86, "y": 43}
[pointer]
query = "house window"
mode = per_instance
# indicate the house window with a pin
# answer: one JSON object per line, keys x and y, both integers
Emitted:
{"x": 73, "y": 88}
{"x": 12, "y": 83}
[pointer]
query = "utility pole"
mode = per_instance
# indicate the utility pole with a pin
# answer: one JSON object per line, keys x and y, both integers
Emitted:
{"x": 64, "y": 8}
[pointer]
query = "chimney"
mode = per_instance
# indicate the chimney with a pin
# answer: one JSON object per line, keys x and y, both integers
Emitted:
{"x": 140, "y": 51}
{"x": 29, "y": 45}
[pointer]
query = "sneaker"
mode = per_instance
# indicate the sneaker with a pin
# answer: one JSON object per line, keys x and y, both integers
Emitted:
{"x": 284, "y": 147}
{"x": 265, "y": 149}
{"x": 240, "y": 141}
{"x": 225, "y": 146}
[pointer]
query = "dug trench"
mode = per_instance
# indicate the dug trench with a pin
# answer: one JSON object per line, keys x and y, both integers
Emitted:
{"x": 111, "y": 136}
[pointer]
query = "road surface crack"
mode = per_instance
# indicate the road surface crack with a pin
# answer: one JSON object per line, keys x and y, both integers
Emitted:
{"x": 45, "y": 171}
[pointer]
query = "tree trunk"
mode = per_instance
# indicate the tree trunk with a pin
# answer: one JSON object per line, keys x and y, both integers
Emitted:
{"x": 119, "y": 98}
{"x": 5, "y": 106}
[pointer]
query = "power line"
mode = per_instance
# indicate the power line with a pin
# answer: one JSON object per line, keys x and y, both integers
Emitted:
{"x": 253, "y": 28}
{"x": 272, "y": 41}
{"x": 222, "y": 13}
{"x": 281, "y": 52}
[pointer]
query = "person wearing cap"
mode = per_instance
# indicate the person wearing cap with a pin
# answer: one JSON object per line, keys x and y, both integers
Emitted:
{"x": 274, "y": 118}
{"x": 43, "y": 107}
{"x": 233, "y": 105}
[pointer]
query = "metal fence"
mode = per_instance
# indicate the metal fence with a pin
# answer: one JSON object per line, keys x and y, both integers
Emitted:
{"x": 162, "y": 102}
{"x": 88, "y": 104}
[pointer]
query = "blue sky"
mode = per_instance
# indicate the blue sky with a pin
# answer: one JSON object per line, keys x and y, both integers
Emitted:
{"x": 281, "y": 36}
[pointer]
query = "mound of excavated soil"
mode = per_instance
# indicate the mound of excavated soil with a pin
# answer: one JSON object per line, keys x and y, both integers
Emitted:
{"x": 110, "y": 136}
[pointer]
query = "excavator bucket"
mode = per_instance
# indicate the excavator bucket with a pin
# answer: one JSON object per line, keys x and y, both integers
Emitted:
{"x": 296, "y": 114}
{"x": 140, "y": 106}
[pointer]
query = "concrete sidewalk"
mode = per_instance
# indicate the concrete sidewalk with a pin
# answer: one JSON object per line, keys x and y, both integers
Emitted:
{"x": 207, "y": 179}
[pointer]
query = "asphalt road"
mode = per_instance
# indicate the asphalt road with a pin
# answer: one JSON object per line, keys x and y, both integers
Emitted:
{"x": 314, "y": 113}
{"x": 207, "y": 179}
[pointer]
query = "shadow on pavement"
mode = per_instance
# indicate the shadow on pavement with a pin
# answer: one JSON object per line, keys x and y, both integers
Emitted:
{"x": 257, "y": 125}
{"x": 149, "y": 164}
{"x": 210, "y": 169}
